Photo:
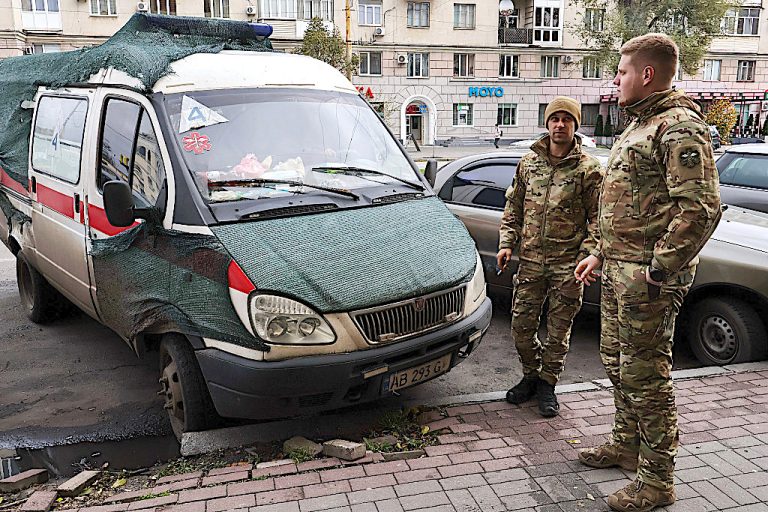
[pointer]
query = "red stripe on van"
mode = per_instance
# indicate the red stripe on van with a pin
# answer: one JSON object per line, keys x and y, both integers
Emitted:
{"x": 55, "y": 200}
{"x": 97, "y": 218}
{"x": 12, "y": 184}
{"x": 237, "y": 278}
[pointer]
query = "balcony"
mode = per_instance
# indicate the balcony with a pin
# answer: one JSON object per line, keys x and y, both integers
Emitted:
{"x": 41, "y": 21}
{"x": 515, "y": 36}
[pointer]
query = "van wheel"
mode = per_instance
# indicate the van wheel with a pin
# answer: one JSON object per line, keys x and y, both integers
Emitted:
{"x": 721, "y": 332}
{"x": 39, "y": 299}
{"x": 187, "y": 400}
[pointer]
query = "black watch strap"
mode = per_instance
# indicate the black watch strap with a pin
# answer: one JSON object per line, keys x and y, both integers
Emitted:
{"x": 657, "y": 274}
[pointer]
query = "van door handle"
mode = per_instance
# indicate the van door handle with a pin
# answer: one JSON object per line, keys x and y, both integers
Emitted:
{"x": 77, "y": 203}
{"x": 33, "y": 183}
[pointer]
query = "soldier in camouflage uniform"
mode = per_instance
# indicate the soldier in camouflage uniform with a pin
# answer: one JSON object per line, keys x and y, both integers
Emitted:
{"x": 659, "y": 204}
{"x": 551, "y": 211}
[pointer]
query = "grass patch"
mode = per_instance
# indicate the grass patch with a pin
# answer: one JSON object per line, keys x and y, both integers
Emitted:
{"x": 300, "y": 455}
{"x": 402, "y": 425}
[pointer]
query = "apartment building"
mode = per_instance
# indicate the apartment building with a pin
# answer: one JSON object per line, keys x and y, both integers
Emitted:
{"x": 435, "y": 69}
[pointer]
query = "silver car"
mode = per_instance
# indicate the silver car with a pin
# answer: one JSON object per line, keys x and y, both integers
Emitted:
{"x": 722, "y": 317}
{"x": 744, "y": 176}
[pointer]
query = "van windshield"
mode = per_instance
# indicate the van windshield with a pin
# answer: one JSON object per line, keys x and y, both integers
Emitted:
{"x": 264, "y": 143}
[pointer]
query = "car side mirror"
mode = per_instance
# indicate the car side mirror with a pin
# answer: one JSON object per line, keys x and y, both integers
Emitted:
{"x": 430, "y": 171}
{"x": 118, "y": 203}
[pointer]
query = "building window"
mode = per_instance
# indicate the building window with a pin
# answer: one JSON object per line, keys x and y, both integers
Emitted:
{"x": 746, "y": 71}
{"x": 462, "y": 114}
{"x": 418, "y": 14}
{"x": 46, "y": 48}
{"x": 741, "y": 22}
{"x": 370, "y": 63}
{"x": 712, "y": 70}
{"x": 40, "y": 5}
{"x": 589, "y": 112}
{"x": 591, "y": 68}
{"x": 463, "y": 65}
{"x": 507, "y": 114}
{"x": 594, "y": 20}
{"x": 167, "y": 7}
{"x": 103, "y": 7}
{"x": 274, "y": 9}
{"x": 463, "y": 15}
{"x": 550, "y": 66}
{"x": 369, "y": 13}
{"x": 546, "y": 28}
{"x": 509, "y": 66}
{"x": 418, "y": 65}
{"x": 542, "y": 109}
{"x": 322, "y": 9}
{"x": 216, "y": 8}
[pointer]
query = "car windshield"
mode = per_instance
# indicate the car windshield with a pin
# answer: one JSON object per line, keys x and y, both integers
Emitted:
{"x": 259, "y": 144}
{"x": 743, "y": 170}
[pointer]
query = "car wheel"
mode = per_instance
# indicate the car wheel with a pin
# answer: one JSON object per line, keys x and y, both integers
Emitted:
{"x": 41, "y": 302}
{"x": 725, "y": 332}
{"x": 187, "y": 400}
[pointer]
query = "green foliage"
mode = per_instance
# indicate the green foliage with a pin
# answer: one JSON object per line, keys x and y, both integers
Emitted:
{"x": 723, "y": 115}
{"x": 691, "y": 23}
{"x": 599, "y": 126}
{"x": 327, "y": 47}
{"x": 404, "y": 426}
{"x": 765, "y": 127}
{"x": 608, "y": 130}
{"x": 300, "y": 455}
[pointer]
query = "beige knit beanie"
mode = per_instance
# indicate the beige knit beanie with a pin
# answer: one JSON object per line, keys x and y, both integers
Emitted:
{"x": 563, "y": 104}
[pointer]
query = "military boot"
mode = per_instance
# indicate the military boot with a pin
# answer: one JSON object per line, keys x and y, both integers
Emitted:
{"x": 548, "y": 406}
{"x": 608, "y": 456}
{"x": 523, "y": 390}
{"x": 638, "y": 496}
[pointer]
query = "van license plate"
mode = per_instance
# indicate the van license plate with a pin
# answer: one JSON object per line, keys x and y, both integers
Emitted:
{"x": 412, "y": 376}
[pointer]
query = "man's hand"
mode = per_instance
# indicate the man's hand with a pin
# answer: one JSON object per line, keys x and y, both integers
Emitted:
{"x": 502, "y": 258}
{"x": 585, "y": 270}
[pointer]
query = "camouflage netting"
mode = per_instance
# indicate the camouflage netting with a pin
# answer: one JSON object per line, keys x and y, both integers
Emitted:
{"x": 352, "y": 259}
{"x": 144, "y": 48}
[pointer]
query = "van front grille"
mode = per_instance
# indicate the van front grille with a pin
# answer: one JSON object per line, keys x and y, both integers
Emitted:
{"x": 392, "y": 322}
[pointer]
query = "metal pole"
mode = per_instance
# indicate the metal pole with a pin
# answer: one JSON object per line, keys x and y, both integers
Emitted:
{"x": 348, "y": 8}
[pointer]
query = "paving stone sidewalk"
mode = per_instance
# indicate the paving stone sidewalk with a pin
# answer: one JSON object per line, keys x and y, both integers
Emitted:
{"x": 495, "y": 456}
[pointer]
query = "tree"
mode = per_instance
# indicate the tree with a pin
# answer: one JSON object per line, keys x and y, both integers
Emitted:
{"x": 608, "y": 130}
{"x": 327, "y": 47}
{"x": 691, "y": 23}
{"x": 599, "y": 126}
{"x": 765, "y": 127}
{"x": 723, "y": 115}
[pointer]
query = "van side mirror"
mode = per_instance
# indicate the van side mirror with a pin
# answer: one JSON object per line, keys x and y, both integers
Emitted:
{"x": 118, "y": 203}
{"x": 430, "y": 171}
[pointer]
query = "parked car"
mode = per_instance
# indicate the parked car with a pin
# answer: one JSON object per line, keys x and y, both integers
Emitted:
{"x": 586, "y": 140}
{"x": 256, "y": 230}
{"x": 744, "y": 176}
{"x": 715, "y": 135}
{"x": 747, "y": 140}
{"x": 722, "y": 316}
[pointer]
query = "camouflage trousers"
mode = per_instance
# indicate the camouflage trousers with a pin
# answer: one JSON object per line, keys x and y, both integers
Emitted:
{"x": 534, "y": 284}
{"x": 637, "y": 325}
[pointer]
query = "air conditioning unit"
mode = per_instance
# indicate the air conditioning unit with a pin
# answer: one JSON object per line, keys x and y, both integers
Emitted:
{"x": 250, "y": 10}
{"x": 401, "y": 58}
{"x": 764, "y": 106}
{"x": 142, "y": 6}
{"x": 379, "y": 31}
{"x": 567, "y": 59}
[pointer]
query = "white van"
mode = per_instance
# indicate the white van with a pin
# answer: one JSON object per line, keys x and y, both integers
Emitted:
{"x": 252, "y": 219}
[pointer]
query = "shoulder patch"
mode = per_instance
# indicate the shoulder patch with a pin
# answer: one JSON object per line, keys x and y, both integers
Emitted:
{"x": 690, "y": 157}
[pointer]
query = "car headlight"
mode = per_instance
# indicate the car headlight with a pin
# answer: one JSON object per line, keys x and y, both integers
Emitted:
{"x": 284, "y": 321}
{"x": 477, "y": 285}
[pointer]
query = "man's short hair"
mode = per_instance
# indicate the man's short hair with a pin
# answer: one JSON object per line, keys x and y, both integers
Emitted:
{"x": 656, "y": 50}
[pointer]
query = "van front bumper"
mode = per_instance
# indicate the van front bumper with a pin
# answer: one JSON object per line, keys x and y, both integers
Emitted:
{"x": 243, "y": 388}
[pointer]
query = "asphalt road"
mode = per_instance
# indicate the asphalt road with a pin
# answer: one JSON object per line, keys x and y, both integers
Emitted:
{"x": 75, "y": 380}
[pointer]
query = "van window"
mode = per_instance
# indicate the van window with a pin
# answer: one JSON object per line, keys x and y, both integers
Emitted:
{"x": 130, "y": 151}
{"x": 57, "y": 139}
{"x": 484, "y": 185}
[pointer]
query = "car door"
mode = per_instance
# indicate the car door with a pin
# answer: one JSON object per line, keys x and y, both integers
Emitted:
{"x": 56, "y": 186}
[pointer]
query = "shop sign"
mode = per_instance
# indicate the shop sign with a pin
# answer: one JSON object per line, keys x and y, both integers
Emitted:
{"x": 485, "y": 92}
{"x": 368, "y": 93}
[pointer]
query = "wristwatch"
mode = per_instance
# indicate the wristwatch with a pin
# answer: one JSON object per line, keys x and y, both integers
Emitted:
{"x": 656, "y": 274}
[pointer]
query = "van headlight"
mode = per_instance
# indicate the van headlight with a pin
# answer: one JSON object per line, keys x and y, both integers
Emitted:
{"x": 477, "y": 286}
{"x": 284, "y": 321}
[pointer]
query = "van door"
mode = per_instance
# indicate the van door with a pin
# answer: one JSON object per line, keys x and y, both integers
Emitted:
{"x": 56, "y": 187}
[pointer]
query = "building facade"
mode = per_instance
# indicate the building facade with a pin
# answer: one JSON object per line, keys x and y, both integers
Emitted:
{"x": 436, "y": 70}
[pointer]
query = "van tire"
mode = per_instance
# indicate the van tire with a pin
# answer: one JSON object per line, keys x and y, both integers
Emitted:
{"x": 186, "y": 395}
{"x": 726, "y": 332}
{"x": 41, "y": 302}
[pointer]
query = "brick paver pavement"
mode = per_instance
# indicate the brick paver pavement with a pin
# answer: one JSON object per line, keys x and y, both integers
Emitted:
{"x": 495, "y": 456}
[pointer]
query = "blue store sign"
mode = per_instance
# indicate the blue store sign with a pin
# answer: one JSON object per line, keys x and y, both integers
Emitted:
{"x": 485, "y": 92}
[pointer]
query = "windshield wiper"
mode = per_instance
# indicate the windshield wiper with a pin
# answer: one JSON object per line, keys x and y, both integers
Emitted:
{"x": 359, "y": 171}
{"x": 260, "y": 181}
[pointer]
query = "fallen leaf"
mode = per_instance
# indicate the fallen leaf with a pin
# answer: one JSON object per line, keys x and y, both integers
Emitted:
{"x": 119, "y": 483}
{"x": 573, "y": 441}
{"x": 590, "y": 497}
{"x": 424, "y": 429}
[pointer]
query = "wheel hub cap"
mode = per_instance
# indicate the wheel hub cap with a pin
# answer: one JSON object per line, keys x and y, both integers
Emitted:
{"x": 172, "y": 391}
{"x": 719, "y": 337}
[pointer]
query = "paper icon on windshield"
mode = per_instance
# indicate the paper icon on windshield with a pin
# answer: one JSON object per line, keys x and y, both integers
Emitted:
{"x": 196, "y": 115}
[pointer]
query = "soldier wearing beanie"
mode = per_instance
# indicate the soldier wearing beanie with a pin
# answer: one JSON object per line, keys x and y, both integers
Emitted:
{"x": 551, "y": 215}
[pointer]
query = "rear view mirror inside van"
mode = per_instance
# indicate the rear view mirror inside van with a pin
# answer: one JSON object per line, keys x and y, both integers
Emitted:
{"x": 118, "y": 203}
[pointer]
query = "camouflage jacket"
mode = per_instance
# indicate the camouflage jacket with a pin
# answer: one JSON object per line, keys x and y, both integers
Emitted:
{"x": 660, "y": 199}
{"x": 552, "y": 210}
